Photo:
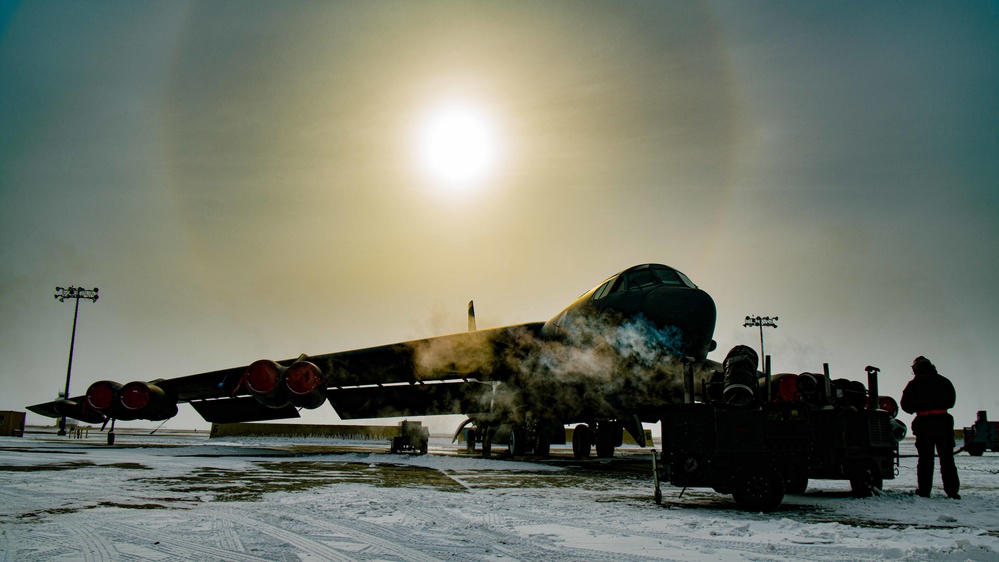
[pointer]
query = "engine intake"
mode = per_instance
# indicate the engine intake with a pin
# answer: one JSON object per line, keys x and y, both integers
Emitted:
{"x": 305, "y": 385}
{"x": 265, "y": 381}
{"x": 144, "y": 401}
{"x": 276, "y": 386}
{"x": 100, "y": 396}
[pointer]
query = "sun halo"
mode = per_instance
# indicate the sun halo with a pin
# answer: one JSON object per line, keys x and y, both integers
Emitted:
{"x": 457, "y": 145}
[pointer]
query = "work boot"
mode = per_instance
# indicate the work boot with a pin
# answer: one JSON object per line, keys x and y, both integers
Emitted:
{"x": 922, "y": 493}
{"x": 954, "y": 496}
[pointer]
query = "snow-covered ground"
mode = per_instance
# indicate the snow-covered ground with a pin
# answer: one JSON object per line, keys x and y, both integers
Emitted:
{"x": 190, "y": 498}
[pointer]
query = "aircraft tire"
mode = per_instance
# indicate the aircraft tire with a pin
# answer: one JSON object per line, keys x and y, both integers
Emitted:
{"x": 607, "y": 437}
{"x": 582, "y": 440}
{"x": 470, "y": 441}
{"x": 110, "y": 438}
{"x": 487, "y": 442}
{"x": 543, "y": 450}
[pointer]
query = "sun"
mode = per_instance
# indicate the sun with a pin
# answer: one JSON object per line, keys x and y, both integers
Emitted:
{"x": 457, "y": 145}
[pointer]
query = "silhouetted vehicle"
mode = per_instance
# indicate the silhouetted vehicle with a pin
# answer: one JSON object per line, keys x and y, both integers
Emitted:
{"x": 982, "y": 436}
{"x": 413, "y": 437}
{"x": 760, "y": 449}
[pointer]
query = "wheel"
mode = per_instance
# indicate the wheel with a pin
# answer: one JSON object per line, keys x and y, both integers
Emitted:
{"x": 487, "y": 442}
{"x": 470, "y": 441}
{"x": 796, "y": 485}
{"x": 658, "y": 496}
{"x": 581, "y": 441}
{"x": 110, "y": 438}
{"x": 543, "y": 450}
{"x": 975, "y": 449}
{"x": 758, "y": 488}
{"x": 605, "y": 440}
{"x": 865, "y": 479}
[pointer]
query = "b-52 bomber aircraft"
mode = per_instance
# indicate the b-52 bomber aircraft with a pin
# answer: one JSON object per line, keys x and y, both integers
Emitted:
{"x": 607, "y": 362}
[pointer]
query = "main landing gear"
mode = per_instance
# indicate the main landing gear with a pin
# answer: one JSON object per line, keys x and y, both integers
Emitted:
{"x": 605, "y": 435}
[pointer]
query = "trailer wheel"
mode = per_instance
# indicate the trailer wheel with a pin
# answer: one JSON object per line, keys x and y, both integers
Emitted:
{"x": 581, "y": 441}
{"x": 865, "y": 478}
{"x": 796, "y": 486}
{"x": 759, "y": 488}
{"x": 975, "y": 449}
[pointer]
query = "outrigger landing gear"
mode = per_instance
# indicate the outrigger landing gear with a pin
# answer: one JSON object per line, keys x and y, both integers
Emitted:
{"x": 110, "y": 431}
{"x": 657, "y": 477}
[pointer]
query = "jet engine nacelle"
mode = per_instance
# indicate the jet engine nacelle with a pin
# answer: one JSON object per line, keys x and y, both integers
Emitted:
{"x": 145, "y": 401}
{"x": 101, "y": 397}
{"x": 133, "y": 401}
{"x": 276, "y": 386}
{"x": 305, "y": 385}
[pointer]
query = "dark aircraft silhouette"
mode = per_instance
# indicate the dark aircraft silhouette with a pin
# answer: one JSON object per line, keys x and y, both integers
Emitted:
{"x": 607, "y": 362}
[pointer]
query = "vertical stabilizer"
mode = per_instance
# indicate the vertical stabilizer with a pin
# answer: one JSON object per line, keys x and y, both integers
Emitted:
{"x": 471, "y": 316}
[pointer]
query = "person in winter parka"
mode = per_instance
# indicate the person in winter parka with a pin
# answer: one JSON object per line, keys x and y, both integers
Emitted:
{"x": 929, "y": 395}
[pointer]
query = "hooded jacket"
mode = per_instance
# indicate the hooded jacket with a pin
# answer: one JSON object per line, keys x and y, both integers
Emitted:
{"x": 927, "y": 391}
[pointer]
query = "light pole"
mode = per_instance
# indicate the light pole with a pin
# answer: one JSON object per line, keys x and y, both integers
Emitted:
{"x": 75, "y": 293}
{"x": 761, "y": 322}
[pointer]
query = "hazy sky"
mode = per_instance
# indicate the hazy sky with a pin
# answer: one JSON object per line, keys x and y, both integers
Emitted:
{"x": 240, "y": 178}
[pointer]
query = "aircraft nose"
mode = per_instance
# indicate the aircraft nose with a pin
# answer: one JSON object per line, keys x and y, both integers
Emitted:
{"x": 668, "y": 302}
{"x": 691, "y": 310}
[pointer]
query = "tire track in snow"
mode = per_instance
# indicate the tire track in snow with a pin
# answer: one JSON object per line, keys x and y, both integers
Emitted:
{"x": 169, "y": 544}
{"x": 300, "y": 542}
{"x": 226, "y": 536}
{"x": 382, "y": 537}
{"x": 455, "y": 533}
{"x": 501, "y": 535}
{"x": 13, "y": 498}
{"x": 95, "y": 547}
{"x": 5, "y": 545}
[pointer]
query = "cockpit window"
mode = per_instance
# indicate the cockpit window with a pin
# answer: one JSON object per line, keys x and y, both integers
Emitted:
{"x": 602, "y": 290}
{"x": 668, "y": 277}
{"x": 641, "y": 279}
{"x": 618, "y": 285}
{"x": 686, "y": 280}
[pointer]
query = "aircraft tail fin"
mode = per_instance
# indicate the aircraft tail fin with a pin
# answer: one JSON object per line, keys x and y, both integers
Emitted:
{"x": 471, "y": 316}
